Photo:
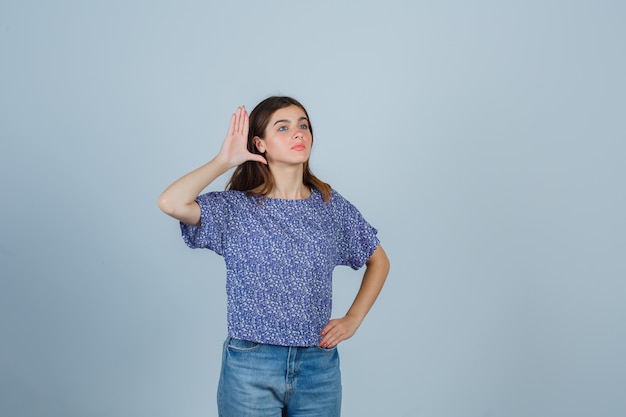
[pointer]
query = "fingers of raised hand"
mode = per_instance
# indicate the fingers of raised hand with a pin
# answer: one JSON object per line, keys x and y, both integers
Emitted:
{"x": 241, "y": 121}
{"x": 235, "y": 145}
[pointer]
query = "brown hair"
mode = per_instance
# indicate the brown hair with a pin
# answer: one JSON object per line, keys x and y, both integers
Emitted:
{"x": 253, "y": 175}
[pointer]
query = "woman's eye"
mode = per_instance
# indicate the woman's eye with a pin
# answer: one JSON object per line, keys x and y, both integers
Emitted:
{"x": 282, "y": 128}
{"x": 304, "y": 126}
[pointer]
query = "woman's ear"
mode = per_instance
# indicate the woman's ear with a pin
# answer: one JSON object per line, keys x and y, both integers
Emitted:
{"x": 260, "y": 145}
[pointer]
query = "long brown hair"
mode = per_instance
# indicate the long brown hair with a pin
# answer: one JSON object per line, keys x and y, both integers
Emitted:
{"x": 255, "y": 177}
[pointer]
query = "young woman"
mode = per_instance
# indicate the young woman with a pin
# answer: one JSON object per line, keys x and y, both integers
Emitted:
{"x": 281, "y": 232}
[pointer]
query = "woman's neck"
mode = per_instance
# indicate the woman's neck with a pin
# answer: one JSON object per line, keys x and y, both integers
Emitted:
{"x": 288, "y": 184}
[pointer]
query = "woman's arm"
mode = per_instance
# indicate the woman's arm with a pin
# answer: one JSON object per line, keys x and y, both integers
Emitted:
{"x": 178, "y": 200}
{"x": 338, "y": 330}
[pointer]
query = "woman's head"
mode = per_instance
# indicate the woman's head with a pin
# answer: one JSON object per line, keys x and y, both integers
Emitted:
{"x": 262, "y": 113}
{"x": 255, "y": 177}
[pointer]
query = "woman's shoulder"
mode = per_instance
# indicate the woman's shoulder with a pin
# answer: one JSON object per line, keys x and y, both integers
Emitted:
{"x": 336, "y": 197}
{"x": 341, "y": 203}
{"x": 337, "y": 203}
{"x": 227, "y": 197}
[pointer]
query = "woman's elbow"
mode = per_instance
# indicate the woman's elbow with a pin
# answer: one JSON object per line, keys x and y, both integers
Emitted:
{"x": 186, "y": 213}
{"x": 165, "y": 205}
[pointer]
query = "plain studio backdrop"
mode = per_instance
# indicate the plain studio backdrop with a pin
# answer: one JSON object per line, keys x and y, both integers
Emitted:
{"x": 485, "y": 141}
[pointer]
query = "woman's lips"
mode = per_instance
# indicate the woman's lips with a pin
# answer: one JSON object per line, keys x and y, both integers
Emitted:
{"x": 298, "y": 147}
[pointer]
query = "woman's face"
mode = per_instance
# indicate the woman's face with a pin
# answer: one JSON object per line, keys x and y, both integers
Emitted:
{"x": 288, "y": 138}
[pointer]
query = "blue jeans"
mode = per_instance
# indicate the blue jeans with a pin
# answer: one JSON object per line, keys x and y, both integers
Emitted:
{"x": 260, "y": 380}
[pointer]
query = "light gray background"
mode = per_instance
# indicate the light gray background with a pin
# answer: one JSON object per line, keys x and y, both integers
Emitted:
{"x": 484, "y": 139}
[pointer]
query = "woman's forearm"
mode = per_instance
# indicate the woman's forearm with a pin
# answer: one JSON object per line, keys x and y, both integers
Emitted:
{"x": 338, "y": 330}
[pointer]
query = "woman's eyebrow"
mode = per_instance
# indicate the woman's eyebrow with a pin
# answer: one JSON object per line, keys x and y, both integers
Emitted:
{"x": 289, "y": 121}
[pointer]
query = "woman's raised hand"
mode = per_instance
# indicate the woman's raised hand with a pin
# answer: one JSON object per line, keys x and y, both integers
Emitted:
{"x": 235, "y": 147}
{"x": 178, "y": 200}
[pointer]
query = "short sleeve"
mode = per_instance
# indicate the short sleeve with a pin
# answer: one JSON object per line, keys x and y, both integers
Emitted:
{"x": 209, "y": 234}
{"x": 358, "y": 237}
